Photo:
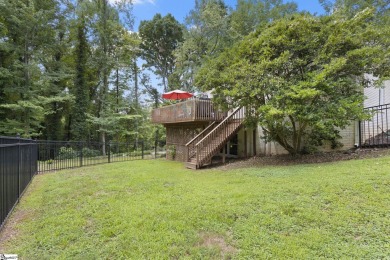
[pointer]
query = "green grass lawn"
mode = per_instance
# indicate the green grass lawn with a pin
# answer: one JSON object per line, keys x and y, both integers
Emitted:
{"x": 156, "y": 209}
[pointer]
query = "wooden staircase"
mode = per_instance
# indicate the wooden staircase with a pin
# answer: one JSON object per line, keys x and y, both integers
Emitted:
{"x": 209, "y": 142}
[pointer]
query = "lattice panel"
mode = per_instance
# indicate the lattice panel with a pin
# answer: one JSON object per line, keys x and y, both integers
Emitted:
{"x": 181, "y": 134}
{"x": 178, "y": 136}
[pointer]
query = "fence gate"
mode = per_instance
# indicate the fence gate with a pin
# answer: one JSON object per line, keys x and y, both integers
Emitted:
{"x": 376, "y": 131}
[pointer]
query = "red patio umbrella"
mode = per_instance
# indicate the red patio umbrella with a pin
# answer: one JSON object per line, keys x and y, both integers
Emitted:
{"x": 177, "y": 94}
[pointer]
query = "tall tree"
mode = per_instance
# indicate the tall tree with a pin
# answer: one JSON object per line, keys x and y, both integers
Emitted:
{"x": 80, "y": 130}
{"x": 207, "y": 34}
{"x": 57, "y": 76}
{"x": 29, "y": 31}
{"x": 251, "y": 14}
{"x": 301, "y": 78}
{"x": 160, "y": 37}
{"x": 381, "y": 8}
{"x": 351, "y": 7}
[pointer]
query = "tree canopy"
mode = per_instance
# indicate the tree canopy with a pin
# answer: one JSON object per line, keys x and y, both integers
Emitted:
{"x": 160, "y": 37}
{"x": 301, "y": 78}
{"x": 75, "y": 70}
{"x": 66, "y": 70}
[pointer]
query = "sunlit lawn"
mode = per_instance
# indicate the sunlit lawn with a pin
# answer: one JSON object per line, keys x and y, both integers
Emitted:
{"x": 156, "y": 209}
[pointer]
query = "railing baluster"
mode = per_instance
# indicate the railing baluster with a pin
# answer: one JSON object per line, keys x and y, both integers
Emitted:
{"x": 213, "y": 140}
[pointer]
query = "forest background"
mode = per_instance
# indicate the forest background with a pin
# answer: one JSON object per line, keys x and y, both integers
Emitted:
{"x": 71, "y": 70}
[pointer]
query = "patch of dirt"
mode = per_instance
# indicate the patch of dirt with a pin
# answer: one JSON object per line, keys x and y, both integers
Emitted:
{"x": 322, "y": 157}
{"x": 216, "y": 241}
{"x": 9, "y": 230}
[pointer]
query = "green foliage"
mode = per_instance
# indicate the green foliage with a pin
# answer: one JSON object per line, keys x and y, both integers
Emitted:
{"x": 351, "y": 7}
{"x": 27, "y": 31}
{"x": 301, "y": 78}
{"x": 49, "y": 161}
{"x": 58, "y": 63}
{"x": 207, "y": 34}
{"x": 67, "y": 153}
{"x": 160, "y": 37}
{"x": 329, "y": 210}
{"x": 87, "y": 152}
{"x": 171, "y": 151}
{"x": 253, "y": 14}
{"x": 80, "y": 108}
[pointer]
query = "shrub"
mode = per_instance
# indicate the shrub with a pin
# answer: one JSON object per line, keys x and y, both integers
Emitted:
{"x": 67, "y": 153}
{"x": 49, "y": 161}
{"x": 135, "y": 153}
{"x": 90, "y": 152}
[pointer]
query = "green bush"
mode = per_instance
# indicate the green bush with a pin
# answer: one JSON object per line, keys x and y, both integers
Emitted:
{"x": 49, "y": 161}
{"x": 67, "y": 153}
{"x": 90, "y": 152}
{"x": 136, "y": 153}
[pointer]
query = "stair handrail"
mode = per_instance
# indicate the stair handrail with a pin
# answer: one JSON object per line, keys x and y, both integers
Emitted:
{"x": 220, "y": 127}
{"x": 220, "y": 124}
{"x": 197, "y": 137}
{"x": 201, "y": 133}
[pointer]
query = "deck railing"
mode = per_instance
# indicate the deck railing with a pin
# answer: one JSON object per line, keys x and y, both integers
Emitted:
{"x": 190, "y": 146}
{"x": 188, "y": 111}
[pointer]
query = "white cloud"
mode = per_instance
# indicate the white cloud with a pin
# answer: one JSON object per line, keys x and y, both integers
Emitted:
{"x": 139, "y": 2}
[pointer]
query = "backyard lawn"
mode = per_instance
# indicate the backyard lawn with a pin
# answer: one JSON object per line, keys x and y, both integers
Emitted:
{"x": 156, "y": 209}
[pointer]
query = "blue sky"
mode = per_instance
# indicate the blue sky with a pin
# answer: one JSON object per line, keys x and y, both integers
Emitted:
{"x": 146, "y": 9}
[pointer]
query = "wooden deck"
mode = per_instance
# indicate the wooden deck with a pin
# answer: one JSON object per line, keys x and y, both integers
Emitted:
{"x": 191, "y": 110}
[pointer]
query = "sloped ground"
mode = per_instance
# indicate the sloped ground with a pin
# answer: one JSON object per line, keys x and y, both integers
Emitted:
{"x": 286, "y": 160}
{"x": 279, "y": 209}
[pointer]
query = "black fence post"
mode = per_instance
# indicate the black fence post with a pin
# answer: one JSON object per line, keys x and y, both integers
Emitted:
{"x": 19, "y": 161}
{"x": 36, "y": 157}
{"x": 81, "y": 154}
{"x": 109, "y": 151}
{"x": 155, "y": 148}
{"x": 31, "y": 158}
{"x": 142, "y": 149}
{"x": 360, "y": 134}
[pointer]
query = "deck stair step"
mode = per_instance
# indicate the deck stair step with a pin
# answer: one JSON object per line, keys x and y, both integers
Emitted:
{"x": 191, "y": 165}
{"x": 207, "y": 144}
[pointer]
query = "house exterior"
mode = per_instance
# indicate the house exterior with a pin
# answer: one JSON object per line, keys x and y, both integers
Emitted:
{"x": 376, "y": 131}
{"x": 357, "y": 134}
{"x": 197, "y": 131}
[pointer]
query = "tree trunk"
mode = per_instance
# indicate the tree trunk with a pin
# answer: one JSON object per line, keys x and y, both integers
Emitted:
{"x": 103, "y": 138}
{"x": 136, "y": 83}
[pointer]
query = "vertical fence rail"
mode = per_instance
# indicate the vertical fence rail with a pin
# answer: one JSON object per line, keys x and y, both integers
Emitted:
{"x": 376, "y": 131}
{"x": 21, "y": 159}
{"x": 18, "y": 165}
{"x": 57, "y": 155}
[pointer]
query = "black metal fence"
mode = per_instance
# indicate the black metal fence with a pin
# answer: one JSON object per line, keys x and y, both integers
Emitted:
{"x": 18, "y": 165}
{"x": 21, "y": 159}
{"x": 55, "y": 155}
{"x": 376, "y": 131}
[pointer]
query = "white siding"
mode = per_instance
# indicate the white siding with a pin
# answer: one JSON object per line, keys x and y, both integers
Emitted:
{"x": 349, "y": 138}
{"x": 377, "y": 96}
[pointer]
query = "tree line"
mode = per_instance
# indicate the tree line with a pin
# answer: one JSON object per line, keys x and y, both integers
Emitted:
{"x": 70, "y": 70}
